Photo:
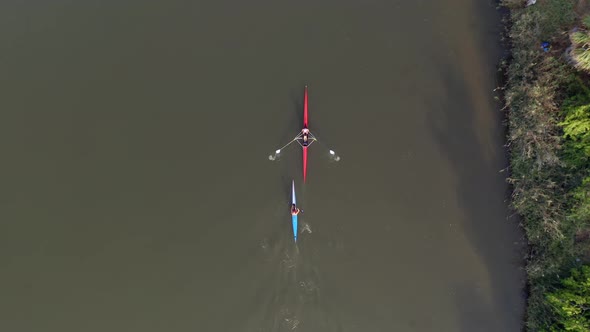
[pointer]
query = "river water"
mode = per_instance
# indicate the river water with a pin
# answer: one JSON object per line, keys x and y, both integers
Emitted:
{"x": 137, "y": 193}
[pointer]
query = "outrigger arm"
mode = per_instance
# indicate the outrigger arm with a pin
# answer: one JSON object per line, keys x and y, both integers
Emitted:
{"x": 298, "y": 139}
{"x": 311, "y": 139}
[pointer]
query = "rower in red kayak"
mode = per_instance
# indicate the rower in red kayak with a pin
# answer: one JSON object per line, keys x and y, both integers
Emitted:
{"x": 305, "y": 136}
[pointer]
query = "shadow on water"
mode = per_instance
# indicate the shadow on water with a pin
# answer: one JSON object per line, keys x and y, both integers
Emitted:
{"x": 478, "y": 310}
{"x": 296, "y": 97}
{"x": 292, "y": 121}
{"x": 480, "y": 197}
{"x": 286, "y": 181}
{"x": 495, "y": 305}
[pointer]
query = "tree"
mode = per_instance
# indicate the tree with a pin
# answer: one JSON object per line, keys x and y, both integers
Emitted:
{"x": 571, "y": 302}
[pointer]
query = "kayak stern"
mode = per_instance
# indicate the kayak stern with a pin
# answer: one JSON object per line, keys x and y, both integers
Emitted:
{"x": 304, "y": 164}
{"x": 294, "y": 222}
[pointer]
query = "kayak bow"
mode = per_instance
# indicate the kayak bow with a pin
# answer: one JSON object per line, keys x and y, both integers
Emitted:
{"x": 294, "y": 216}
{"x": 305, "y": 108}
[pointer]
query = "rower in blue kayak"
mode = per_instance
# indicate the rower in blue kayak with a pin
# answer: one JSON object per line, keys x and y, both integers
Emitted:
{"x": 294, "y": 210}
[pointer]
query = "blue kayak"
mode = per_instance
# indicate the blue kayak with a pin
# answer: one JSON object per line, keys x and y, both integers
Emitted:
{"x": 294, "y": 216}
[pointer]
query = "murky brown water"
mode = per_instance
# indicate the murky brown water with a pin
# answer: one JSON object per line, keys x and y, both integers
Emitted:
{"x": 137, "y": 194}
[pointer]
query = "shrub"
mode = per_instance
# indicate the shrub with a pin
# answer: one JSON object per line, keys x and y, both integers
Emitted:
{"x": 571, "y": 302}
{"x": 580, "y": 51}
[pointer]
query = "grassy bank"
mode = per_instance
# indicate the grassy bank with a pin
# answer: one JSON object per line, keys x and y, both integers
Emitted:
{"x": 545, "y": 99}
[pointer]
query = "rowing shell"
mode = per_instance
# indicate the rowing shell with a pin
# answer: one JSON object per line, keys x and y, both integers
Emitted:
{"x": 294, "y": 216}
{"x": 300, "y": 138}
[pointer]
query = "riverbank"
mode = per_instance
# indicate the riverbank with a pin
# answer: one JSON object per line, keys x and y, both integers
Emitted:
{"x": 548, "y": 167}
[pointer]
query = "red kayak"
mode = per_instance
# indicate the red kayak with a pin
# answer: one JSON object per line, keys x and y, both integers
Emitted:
{"x": 305, "y": 138}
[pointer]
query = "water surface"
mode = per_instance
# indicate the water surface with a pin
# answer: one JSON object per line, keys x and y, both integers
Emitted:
{"x": 138, "y": 196}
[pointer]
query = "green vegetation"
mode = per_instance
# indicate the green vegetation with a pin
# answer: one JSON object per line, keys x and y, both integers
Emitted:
{"x": 571, "y": 302}
{"x": 548, "y": 104}
{"x": 580, "y": 45}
